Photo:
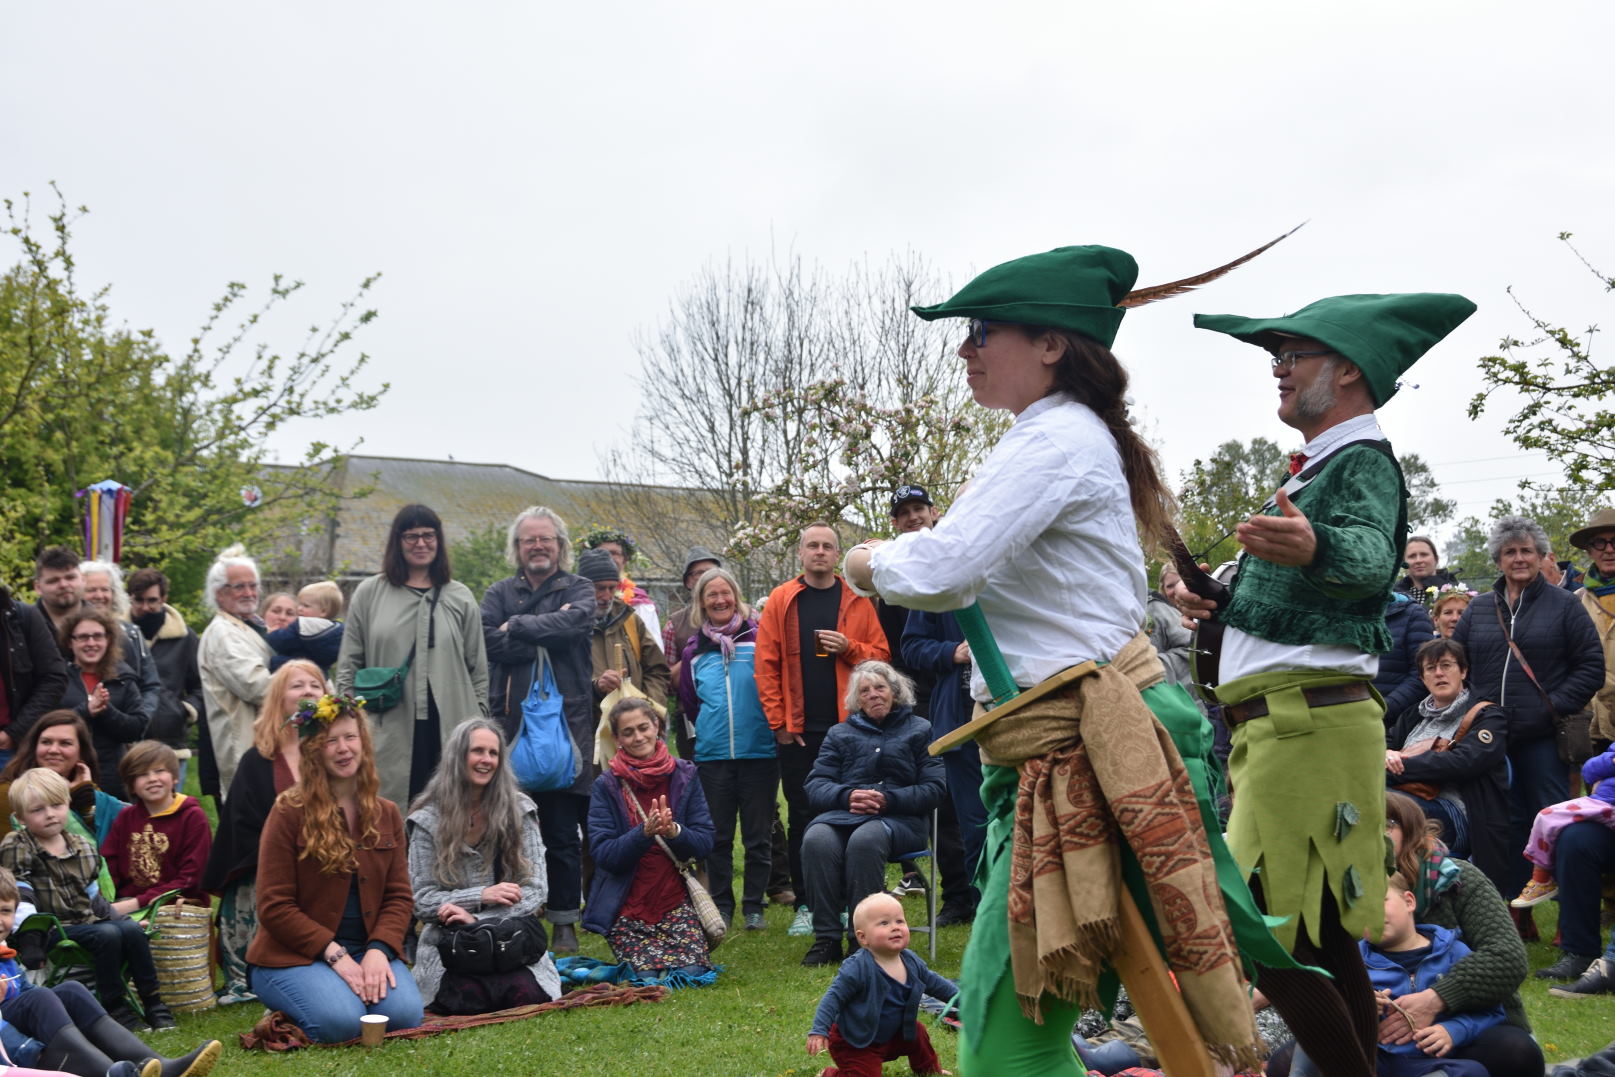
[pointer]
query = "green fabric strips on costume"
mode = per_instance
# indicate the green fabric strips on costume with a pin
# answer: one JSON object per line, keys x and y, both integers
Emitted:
{"x": 1295, "y": 832}
{"x": 1340, "y": 597}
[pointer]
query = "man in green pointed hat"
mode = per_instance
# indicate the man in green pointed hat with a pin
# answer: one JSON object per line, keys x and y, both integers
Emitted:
{"x": 1302, "y": 628}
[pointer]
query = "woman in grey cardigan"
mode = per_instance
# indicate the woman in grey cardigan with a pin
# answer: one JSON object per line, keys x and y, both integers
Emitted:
{"x": 415, "y": 613}
{"x": 475, "y": 852}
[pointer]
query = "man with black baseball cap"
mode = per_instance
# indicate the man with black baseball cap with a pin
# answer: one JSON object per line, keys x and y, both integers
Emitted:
{"x": 913, "y": 510}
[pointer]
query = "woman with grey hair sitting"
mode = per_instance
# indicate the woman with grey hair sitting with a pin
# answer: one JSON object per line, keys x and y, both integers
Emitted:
{"x": 1534, "y": 651}
{"x": 873, "y": 785}
{"x": 475, "y": 854}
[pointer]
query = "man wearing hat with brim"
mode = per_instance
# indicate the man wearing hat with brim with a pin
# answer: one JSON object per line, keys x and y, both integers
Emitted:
{"x": 1303, "y": 625}
{"x": 1586, "y": 850}
{"x": 1598, "y": 599}
{"x": 1044, "y": 541}
{"x": 935, "y": 670}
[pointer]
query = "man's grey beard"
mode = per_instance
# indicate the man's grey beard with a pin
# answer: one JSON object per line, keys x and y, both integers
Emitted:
{"x": 1315, "y": 400}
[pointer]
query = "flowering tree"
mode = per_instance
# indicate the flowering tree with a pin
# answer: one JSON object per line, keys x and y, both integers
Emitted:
{"x": 783, "y": 394}
{"x": 1567, "y": 411}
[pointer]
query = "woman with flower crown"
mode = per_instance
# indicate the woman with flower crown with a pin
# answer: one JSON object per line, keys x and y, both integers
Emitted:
{"x": 266, "y": 770}
{"x": 1425, "y": 575}
{"x": 334, "y": 899}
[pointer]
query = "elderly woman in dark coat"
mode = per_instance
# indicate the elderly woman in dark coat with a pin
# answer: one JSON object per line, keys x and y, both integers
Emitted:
{"x": 1559, "y": 667}
{"x": 873, "y": 785}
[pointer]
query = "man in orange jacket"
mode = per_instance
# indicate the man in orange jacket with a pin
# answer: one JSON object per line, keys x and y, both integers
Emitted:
{"x": 813, "y": 631}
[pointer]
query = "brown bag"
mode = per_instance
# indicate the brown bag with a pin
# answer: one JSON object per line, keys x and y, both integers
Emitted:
{"x": 1430, "y": 790}
{"x": 1572, "y": 733}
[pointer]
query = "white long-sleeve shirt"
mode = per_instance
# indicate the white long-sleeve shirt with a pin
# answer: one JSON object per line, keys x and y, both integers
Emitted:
{"x": 1043, "y": 537}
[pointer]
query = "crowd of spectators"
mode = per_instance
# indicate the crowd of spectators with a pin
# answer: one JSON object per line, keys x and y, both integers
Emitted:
{"x": 388, "y": 825}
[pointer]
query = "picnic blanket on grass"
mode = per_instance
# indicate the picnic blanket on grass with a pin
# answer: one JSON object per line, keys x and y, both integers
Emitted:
{"x": 275, "y": 1032}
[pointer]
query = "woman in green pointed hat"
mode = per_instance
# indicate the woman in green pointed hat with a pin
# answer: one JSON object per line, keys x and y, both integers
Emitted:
{"x": 1045, "y": 539}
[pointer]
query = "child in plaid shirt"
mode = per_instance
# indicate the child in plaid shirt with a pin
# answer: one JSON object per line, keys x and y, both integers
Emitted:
{"x": 55, "y": 869}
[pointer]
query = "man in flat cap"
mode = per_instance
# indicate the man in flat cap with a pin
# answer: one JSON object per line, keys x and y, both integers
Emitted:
{"x": 1302, "y": 626}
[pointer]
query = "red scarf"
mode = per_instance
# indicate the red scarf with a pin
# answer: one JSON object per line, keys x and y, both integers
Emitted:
{"x": 657, "y": 888}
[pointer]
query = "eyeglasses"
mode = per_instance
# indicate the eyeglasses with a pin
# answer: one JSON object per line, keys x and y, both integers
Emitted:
{"x": 1284, "y": 362}
{"x": 531, "y": 542}
{"x": 87, "y": 637}
{"x": 1601, "y": 543}
{"x": 419, "y": 538}
{"x": 242, "y": 588}
{"x": 978, "y": 331}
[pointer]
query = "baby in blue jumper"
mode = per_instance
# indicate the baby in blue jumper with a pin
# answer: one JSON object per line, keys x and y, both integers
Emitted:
{"x": 870, "y": 1014}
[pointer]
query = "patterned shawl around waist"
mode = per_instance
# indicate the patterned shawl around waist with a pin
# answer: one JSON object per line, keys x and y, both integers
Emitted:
{"x": 1096, "y": 769}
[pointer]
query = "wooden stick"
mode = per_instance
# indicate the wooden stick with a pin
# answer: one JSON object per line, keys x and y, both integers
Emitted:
{"x": 1153, "y": 994}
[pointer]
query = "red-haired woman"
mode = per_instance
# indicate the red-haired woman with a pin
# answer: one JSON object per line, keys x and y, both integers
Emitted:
{"x": 334, "y": 899}
{"x": 266, "y": 770}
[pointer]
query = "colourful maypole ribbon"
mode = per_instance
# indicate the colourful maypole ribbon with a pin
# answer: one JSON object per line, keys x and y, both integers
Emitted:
{"x": 106, "y": 508}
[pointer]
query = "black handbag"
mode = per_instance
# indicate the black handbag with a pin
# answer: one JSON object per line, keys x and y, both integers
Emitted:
{"x": 467, "y": 994}
{"x": 489, "y": 946}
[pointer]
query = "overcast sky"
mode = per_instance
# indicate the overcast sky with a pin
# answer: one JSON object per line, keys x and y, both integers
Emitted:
{"x": 536, "y": 181}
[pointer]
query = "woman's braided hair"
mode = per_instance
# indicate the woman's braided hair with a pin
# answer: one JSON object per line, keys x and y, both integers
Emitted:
{"x": 1093, "y": 375}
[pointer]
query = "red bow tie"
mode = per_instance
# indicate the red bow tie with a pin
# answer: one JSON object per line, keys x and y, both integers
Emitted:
{"x": 1297, "y": 461}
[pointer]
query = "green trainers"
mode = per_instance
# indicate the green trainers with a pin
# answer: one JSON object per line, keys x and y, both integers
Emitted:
{"x": 803, "y": 924}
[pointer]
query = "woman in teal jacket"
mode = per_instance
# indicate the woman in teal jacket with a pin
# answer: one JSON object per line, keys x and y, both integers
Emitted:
{"x": 734, "y": 748}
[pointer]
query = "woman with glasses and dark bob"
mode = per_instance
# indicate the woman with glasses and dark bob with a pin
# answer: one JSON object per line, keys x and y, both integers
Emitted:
{"x": 413, "y": 616}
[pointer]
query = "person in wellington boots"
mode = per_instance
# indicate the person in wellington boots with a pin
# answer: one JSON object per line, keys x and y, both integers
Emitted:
{"x": 63, "y": 1029}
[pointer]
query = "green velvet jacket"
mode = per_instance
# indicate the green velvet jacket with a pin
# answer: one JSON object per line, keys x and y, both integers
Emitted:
{"x": 1357, "y": 506}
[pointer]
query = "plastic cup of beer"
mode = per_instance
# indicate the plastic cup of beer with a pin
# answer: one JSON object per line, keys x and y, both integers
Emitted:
{"x": 819, "y": 650}
{"x": 372, "y": 1027}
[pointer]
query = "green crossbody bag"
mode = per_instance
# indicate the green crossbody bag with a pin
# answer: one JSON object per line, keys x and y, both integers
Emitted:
{"x": 382, "y": 687}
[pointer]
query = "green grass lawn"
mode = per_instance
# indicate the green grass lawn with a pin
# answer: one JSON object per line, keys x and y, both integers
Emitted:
{"x": 753, "y": 1021}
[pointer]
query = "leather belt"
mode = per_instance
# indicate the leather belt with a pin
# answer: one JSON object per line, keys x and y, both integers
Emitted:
{"x": 1316, "y": 697}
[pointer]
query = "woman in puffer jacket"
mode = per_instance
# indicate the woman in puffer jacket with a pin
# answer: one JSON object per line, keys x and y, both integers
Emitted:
{"x": 1562, "y": 666}
{"x": 734, "y": 748}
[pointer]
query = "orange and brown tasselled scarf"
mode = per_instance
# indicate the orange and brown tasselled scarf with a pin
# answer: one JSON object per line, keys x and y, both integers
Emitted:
{"x": 1097, "y": 768}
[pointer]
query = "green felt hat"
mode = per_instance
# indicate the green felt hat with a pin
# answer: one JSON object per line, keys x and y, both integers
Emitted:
{"x": 1074, "y": 288}
{"x": 1383, "y": 334}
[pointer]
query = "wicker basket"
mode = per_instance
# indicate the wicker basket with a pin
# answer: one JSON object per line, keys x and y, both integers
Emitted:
{"x": 182, "y": 951}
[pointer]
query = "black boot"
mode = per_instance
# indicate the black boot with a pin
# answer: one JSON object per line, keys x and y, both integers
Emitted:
{"x": 158, "y": 1015}
{"x": 119, "y": 1042}
{"x": 198, "y": 1063}
{"x": 69, "y": 1050}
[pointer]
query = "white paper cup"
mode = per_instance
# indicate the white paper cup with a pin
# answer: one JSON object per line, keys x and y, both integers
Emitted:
{"x": 372, "y": 1027}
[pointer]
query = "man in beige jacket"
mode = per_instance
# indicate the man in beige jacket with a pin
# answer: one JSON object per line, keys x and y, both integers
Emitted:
{"x": 1598, "y": 598}
{"x": 233, "y": 659}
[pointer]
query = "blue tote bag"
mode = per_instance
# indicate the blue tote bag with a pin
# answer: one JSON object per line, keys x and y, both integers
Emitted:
{"x": 544, "y": 757}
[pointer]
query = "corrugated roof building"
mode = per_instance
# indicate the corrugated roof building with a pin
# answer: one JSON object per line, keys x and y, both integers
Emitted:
{"x": 473, "y": 498}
